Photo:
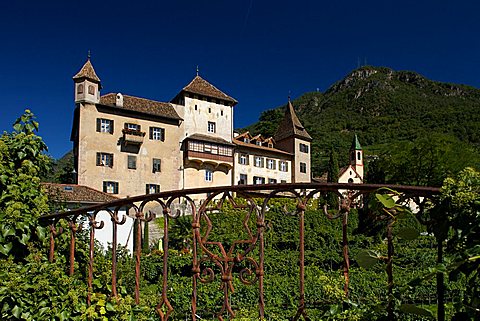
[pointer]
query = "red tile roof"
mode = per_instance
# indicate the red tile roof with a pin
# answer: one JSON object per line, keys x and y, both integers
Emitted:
{"x": 291, "y": 126}
{"x": 142, "y": 105}
{"x": 87, "y": 72}
{"x": 202, "y": 87}
{"x": 265, "y": 148}
{"x": 72, "y": 193}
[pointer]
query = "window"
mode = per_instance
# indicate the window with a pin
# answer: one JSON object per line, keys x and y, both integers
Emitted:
{"x": 196, "y": 107}
{"x": 303, "y": 167}
{"x": 210, "y": 148}
{"x": 221, "y": 112}
{"x": 132, "y": 162}
{"x": 304, "y": 148}
{"x": 91, "y": 90}
{"x": 243, "y": 179}
{"x": 258, "y": 143}
{"x": 80, "y": 89}
{"x": 283, "y": 166}
{"x": 272, "y": 181}
{"x": 259, "y": 161}
{"x": 110, "y": 187}
{"x": 157, "y": 165}
{"x": 283, "y": 181}
{"x": 152, "y": 189}
{"x": 271, "y": 164}
{"x": 211, "y": 127}
{"x": 157, "y": 133}
{"x": 209, "y": 110}
{"x": 131, "y": 126}
{"x": 359, "y": 155}
{"x": 208, "y": 175}
{"x": 105, "y": 159}
{"x": 258, "y": 180}
{"x": 243, "y": 159}
{"x": 104, "y": 125}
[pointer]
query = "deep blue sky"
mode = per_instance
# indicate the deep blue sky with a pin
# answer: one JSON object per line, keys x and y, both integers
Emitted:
{"x": 256, "y": 51}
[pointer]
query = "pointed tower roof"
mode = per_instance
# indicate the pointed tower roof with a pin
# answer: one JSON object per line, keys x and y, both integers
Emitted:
{"x": 200, "y": 86}
{"x": 87, "y": 72}
{"x": 355, "y": 144}
{"x": 291, "y": 126}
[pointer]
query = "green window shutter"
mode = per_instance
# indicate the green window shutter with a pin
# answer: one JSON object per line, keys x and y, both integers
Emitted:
{"x": 104, "y": 187}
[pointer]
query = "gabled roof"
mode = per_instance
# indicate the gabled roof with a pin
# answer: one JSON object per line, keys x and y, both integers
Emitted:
{"x": 87, "y": 72}
{"x": 202, "y": 87}
{"x": 141, "y": 105}
{"x": 72, "y": 193}
{"x": 291, "y": 126}
{"x": 344, "y": 169}
{"x": 241, "y": 143}
{"x": 355, "y": 144}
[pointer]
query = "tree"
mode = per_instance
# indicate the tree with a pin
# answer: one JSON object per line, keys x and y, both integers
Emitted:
{"x": 21, "y": 198}
{"x": 463, "y": 196}
{"x": 332, "y": 178}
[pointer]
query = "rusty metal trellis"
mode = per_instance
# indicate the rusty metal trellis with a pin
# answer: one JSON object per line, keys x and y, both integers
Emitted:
{"x": 209, "y": 256}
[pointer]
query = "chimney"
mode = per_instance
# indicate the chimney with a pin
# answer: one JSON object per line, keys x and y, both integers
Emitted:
{"x": 119, "y": 100}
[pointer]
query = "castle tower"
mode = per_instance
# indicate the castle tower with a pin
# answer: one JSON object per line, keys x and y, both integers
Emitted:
{"x": 87, "y": 84}
{"x": 356, "y": 156}
{"x": 292, "y": 137}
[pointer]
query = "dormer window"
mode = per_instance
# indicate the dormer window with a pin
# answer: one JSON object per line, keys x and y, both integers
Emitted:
{"x": 80, "y": 89}
{"x": 258, "y": 143}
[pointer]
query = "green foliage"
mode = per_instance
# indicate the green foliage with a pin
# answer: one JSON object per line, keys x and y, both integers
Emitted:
{"x": 385, "y": 107}
{"x": 21, "y": 198}
{"x": 463, "y": 195}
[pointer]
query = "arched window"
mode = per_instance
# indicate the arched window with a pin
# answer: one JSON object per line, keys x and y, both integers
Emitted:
{"x": 91, "y": 90}
{"x": 359, "y": 156}
{"x": 80, "y": 89}
{"x": 350, "y": 181}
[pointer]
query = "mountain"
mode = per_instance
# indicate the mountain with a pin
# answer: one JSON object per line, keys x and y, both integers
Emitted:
{"x": 384, "y": 107}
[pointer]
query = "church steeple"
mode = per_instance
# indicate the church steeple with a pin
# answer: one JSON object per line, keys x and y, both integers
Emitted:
{"x": 356, "y": 156}
{"x": 87, "y": 84}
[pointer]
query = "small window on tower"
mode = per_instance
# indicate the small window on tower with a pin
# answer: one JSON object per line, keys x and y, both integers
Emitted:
{"x": 80, "y": 89}
{"x": 359, "y": 156}
{"x": 91, "y": 90}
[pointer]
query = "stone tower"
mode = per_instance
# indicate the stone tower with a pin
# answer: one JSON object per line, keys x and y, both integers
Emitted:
{"x": 87, "y": 84}
{"x": 292, "y": 137}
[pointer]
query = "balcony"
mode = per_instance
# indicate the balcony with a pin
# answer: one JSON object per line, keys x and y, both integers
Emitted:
{"x": 132, "y": 136}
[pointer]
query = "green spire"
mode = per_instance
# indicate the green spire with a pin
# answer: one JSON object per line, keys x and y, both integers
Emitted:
{"x": 356, "y": 144}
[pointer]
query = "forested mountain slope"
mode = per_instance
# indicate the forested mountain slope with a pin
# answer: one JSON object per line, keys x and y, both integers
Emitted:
{"x": 391, "y": 111}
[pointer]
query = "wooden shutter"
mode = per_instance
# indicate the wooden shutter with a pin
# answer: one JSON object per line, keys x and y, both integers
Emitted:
{"x": 150, "y": 133}
{"x": 111, "y": 160}
{"x": 163, "y": 134}
{"x": 111, "y": 127}
{"x": 98, "y": 159}
{"x": 104, "y": 187}
{"x": 99, "y": 124}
